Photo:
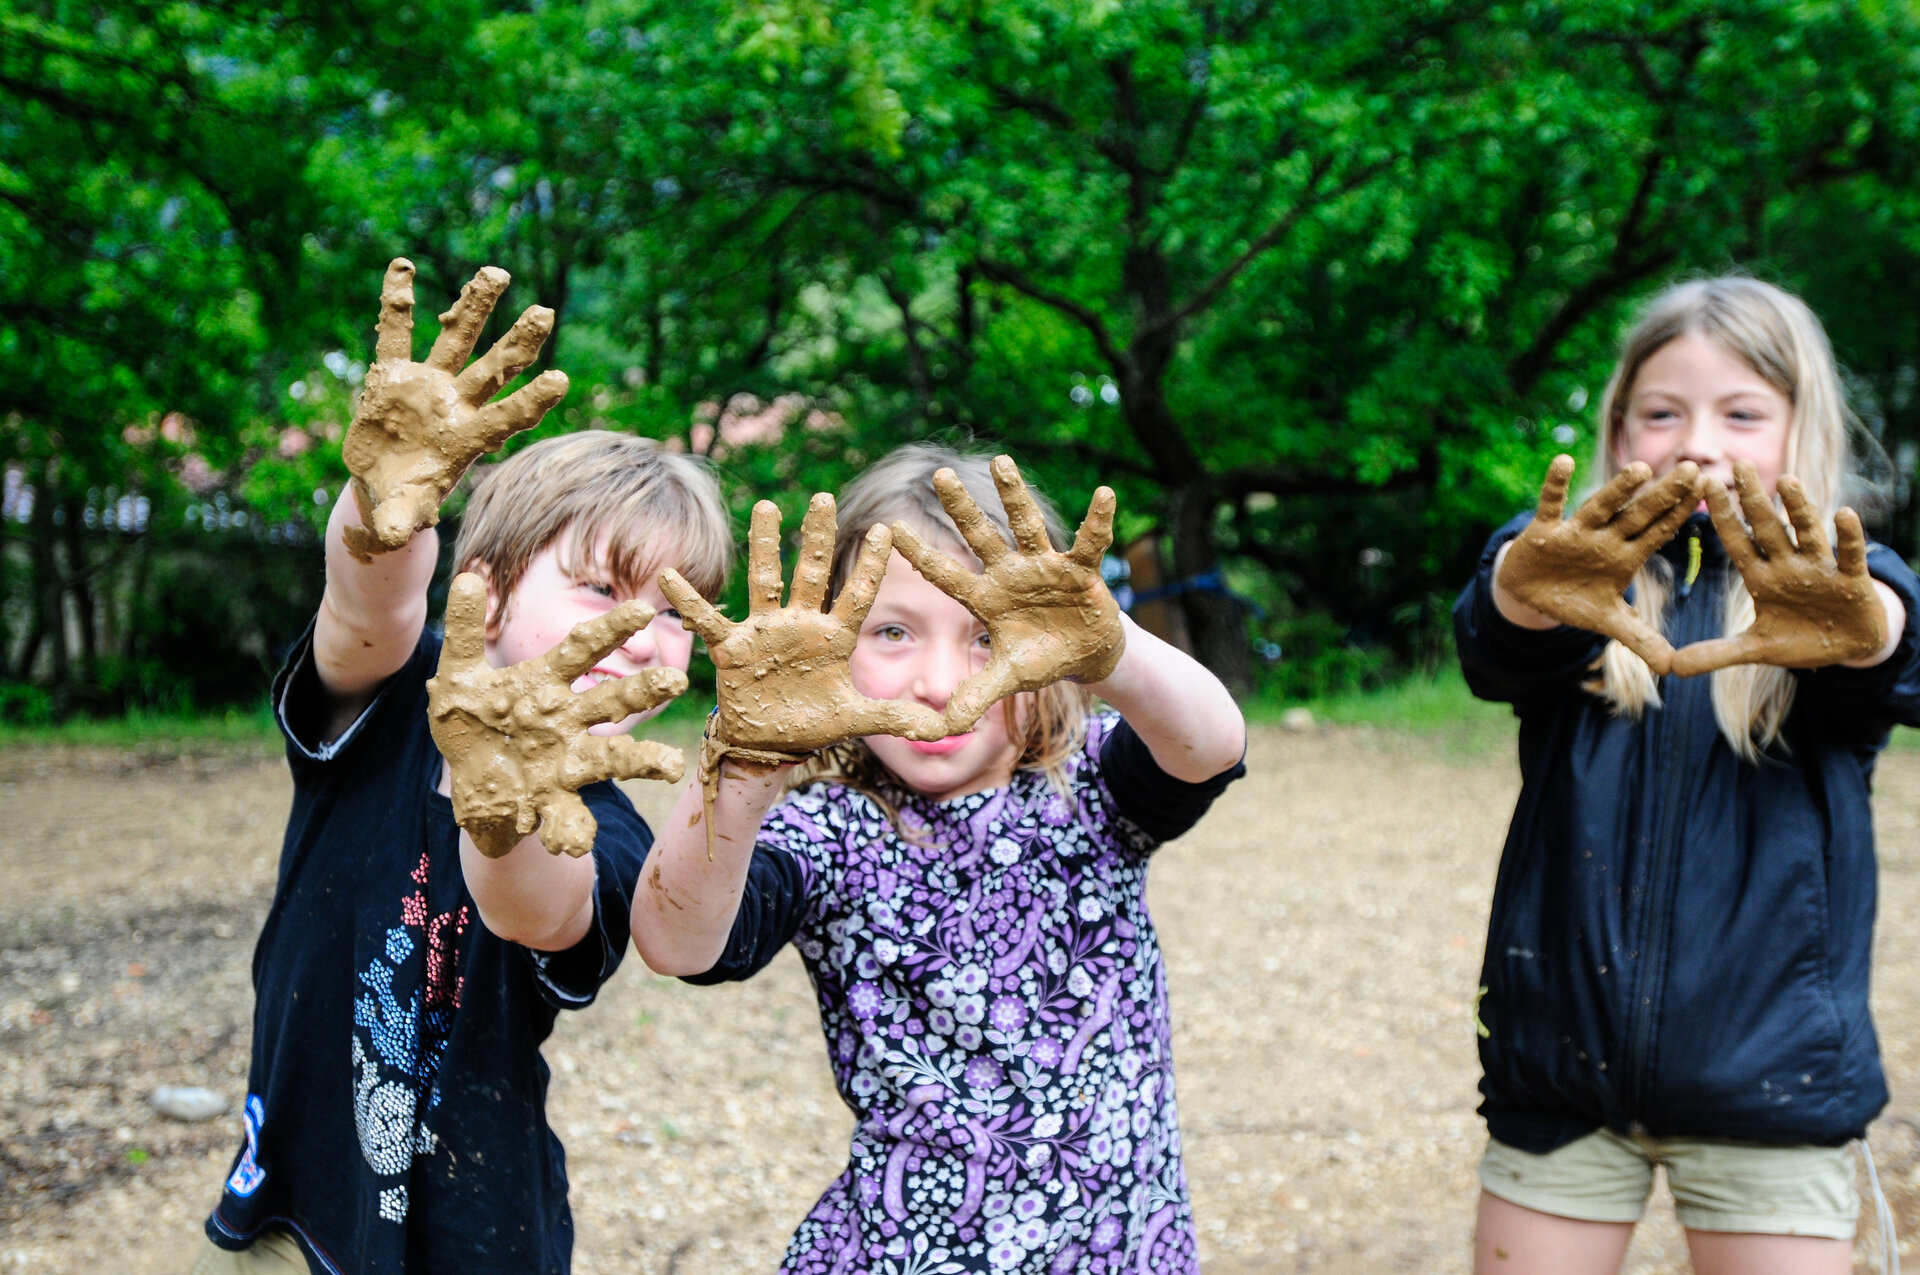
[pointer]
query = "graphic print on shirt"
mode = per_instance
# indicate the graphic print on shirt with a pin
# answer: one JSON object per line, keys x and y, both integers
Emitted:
{"x": 247, "y": 1175}
{"x": 406, "y": 1010}
{"x": 995, "y": 1008}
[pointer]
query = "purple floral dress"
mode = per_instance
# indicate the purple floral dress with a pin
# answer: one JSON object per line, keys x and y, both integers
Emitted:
{"x": 995, "y": 1007}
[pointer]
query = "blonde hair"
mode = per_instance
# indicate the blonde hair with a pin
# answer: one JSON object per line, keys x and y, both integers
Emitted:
{"x": 651, "y": 509}
{"x": 1048, "y": 726}
{"x": 1774, "y": 333}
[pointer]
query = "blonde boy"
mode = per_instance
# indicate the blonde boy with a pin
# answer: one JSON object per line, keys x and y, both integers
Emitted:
{"x": 404, "y": 981}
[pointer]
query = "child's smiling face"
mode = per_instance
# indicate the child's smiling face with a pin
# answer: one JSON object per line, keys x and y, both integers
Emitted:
{"x": 919, "y": 644}
{"x": 551, "y": 597}
{"x": 1693, "y": 399}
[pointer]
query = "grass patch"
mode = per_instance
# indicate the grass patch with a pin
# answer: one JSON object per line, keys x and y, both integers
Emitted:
{"x": 238, "y": 727}
{"x": 1441, "y": 708}
{"x": 249, "y": 728}
{"x": 1438, "y": 708}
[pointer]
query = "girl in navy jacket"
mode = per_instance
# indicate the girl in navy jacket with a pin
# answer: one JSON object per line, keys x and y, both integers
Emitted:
{"x": 1677, "y": 960}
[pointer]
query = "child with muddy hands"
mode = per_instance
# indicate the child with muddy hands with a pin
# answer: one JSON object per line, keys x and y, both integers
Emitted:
{"x": 961, "y": 864}
{"x": 422, "y": 937}
{"x": 1678, "y": 954}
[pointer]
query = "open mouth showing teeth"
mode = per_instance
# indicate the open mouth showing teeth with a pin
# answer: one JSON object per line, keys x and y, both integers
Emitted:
{"x": 600, "y": 675}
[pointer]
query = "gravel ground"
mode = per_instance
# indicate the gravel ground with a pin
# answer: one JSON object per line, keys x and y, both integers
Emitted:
{"x": 1322, "y": 929}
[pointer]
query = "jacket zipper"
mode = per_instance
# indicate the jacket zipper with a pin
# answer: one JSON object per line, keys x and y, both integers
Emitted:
{"x": 1658, "y": 930}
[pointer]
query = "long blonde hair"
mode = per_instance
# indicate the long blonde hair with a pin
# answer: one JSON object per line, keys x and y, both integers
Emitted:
{"x": 1774, "y": 333}
{"x": 1049, "y": 725}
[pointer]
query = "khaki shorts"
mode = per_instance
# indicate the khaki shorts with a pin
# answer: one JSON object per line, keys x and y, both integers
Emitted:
{"x": 274, "y": 1253}
{"x": 1717, "y": 1185}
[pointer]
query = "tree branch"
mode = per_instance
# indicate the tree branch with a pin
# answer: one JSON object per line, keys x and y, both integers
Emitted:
{"x": 1096, "y": 327}
{"x": 1210, "y": 291}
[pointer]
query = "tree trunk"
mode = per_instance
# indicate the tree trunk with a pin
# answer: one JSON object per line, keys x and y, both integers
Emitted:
{"x": 80, "y": 585}
{"x": 1216, "y": 622}
{"x": 48, "y": 609}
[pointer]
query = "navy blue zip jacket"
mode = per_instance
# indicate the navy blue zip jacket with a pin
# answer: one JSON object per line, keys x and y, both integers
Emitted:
{"x": 1680, "y": 940}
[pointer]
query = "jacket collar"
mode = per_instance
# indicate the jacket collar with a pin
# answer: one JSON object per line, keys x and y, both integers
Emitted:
{"x": 1678, "y": 550}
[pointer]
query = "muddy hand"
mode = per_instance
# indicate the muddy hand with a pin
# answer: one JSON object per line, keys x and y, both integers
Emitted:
{"x": 420, "y": 425}
{"x": 783, "y": 684}
{"x": 1813, "y": 605}
{"x": 1048, "y": 613}
{"x": 1576, "y": 570}
{"x": 516, "y": 740}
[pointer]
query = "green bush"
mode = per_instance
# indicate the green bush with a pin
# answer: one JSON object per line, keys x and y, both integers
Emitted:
{"x": 23, "y": 705}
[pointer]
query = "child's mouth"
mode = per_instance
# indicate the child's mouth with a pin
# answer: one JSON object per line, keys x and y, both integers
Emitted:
{"x": 940, "y": 747}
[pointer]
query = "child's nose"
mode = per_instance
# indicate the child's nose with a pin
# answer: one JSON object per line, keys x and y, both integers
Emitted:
{"x": 640, "y": 647}
{"x": 941, "y": 671}
{"x": 1704, "y": 443}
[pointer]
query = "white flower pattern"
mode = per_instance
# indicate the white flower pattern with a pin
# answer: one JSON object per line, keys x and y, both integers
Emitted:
{"x": 995, "y": 1008}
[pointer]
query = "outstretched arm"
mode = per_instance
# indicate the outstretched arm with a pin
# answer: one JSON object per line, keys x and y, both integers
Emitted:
{"x": 784, "y": 691}
{"x": 684, "y": 909}
{"x": 418, "y": 427}
{"x": 370, "y": 616}
{"x": 1048, "y": 613}
{"x": 517, "y": 751}
{"x": 1814, "y": 605}
{"x": 1180, "y": 710}
{"x": 1576, "y": 571}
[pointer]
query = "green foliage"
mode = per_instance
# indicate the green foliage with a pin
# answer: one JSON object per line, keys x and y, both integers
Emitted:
{"x": 1317, "y": 287}
{"x": 1439, "y": 711}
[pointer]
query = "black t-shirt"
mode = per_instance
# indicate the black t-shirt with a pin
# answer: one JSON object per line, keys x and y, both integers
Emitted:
{"x": 396, "y": 1108}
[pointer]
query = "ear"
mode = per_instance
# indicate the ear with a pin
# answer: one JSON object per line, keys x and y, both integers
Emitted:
{"x": 496, "y": 610}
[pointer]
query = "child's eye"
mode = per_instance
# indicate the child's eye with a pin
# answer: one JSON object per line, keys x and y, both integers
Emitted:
{"x": 984, "y": 640}
{"x": 600, "y": 587}
{"x": 890, "y": 633}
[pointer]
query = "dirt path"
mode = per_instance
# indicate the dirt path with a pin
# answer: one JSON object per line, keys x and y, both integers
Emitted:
{"x": 1322, "y": 930}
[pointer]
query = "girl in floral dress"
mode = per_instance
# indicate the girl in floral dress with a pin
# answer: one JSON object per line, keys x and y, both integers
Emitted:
{"x": 971, "y": 904}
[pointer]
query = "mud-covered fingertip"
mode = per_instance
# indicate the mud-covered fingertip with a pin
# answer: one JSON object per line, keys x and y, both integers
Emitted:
{"x": 675, "y": 587}
{"x": 822, "y": 502}
{"x": 1789, "y": 487}
{"x": 881, "y": 536}
{"x": 632, "y": 614}
{"x": 1560, "y": 466}
{"x": 399, "y": 270}
{"x": 493, "y": 277}
{"x": 466, "y": 589}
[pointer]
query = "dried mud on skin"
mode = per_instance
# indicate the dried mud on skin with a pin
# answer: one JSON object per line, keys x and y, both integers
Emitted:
{"x": 1322, "y": 929}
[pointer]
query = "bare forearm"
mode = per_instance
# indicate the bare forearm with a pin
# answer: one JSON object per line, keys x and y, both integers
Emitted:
{"x": 1182, "y": 713}
{"x": 684, "y": 910}
{"x": 530, "y": 897}
{"x": 372, "y": 612}
{"x": 1512, "y": 609}
{"x": 1896, "y": 625}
